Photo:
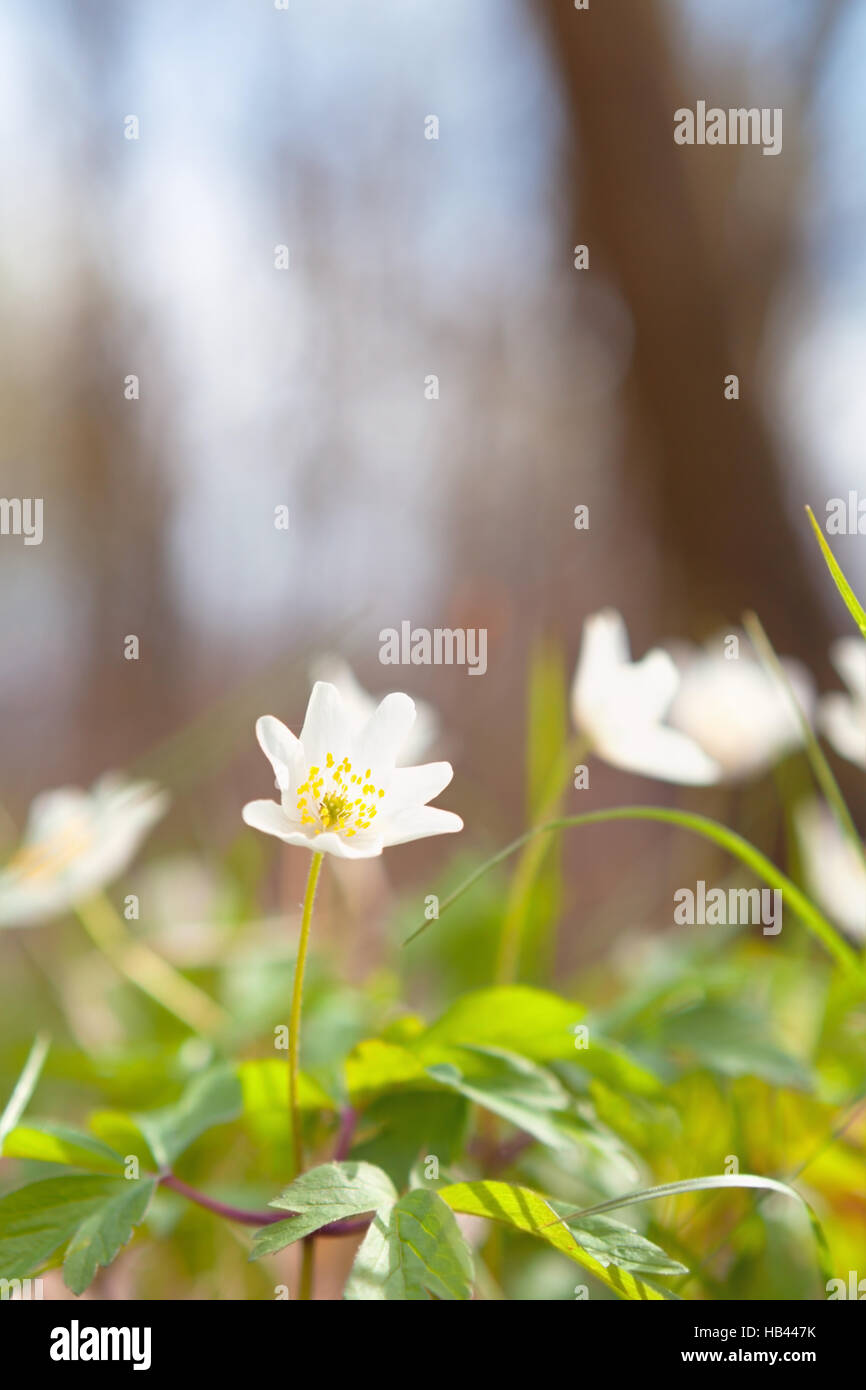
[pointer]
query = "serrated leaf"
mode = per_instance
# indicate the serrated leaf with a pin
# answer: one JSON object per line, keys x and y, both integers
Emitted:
{"x": 55, "y": 1143}
{"x": 38, "y": 1219}
{"x": 612, "y": 1242}
{"x": 514, "y": 1088}
{"x": 102, "y": 1234}
{"x": 533, "y": 1022}
{"x": 331, "y": 1192}
{"x": 527, "y": 1211}
{"x": 413, "y": 1250}
{"x": 213, "y": 1098}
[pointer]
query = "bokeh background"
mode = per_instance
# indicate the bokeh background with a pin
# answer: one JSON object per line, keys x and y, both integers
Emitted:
{"x": 261, "y": 387}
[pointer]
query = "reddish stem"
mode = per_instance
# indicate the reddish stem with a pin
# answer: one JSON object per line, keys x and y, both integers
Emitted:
{"x": 257, "y": 1218}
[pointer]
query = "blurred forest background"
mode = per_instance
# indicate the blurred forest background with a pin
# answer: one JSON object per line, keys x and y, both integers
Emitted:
{"x": 410, "y": 257}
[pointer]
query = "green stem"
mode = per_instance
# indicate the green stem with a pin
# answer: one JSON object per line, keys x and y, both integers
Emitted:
{"x": 147, "y": 970}
{"x": 295, "y": 1017}
{"x": 308, "y": 1247}
{"x": 529, "y": 865}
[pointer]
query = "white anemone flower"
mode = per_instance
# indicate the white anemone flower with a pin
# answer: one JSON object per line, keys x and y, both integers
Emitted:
{"x": 739, "y": 713}
{"x": 341, "y": 791}
{"x": 619, "y": 705}
{"x": 833, "y": 870}
{"x": 75, "y": 843}
{"x": 359, "y": 705}
{"x": 843, "y": 717}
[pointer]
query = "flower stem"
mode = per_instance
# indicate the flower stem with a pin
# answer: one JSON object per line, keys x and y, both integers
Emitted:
{"x": 305, "y": 1288}
{"x": 295, "y": 1016}
{"x": 147, "y": 970}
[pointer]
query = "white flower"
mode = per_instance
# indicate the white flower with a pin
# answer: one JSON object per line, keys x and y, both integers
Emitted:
{"x": 75, "y": 843}
{"x": 341, "y": 790}
{"x": 738, "y": 712}
{"x": 359, "y": 705}
{"x": 843, "y": 717}
{"x": 833, "y": 870}
{"x": 619, "y": 704}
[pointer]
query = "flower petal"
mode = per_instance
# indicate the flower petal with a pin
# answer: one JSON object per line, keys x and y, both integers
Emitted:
{"x": 413, "y": 786}
{"x": 269, "y": 817}
{"x": 418, "y": 822}
{"x": 848, "y": 655}
{"x": 279, "y": 745}
{"x": 326, "y": 728}
{"x": 657, "y": 751}
{"x": 379, "y": 743}
{"x": 842, "y": 721}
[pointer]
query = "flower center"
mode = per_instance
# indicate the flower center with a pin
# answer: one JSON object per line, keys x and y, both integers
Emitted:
{"x": 51, "y": 856}
{"x": 336, "y": 797}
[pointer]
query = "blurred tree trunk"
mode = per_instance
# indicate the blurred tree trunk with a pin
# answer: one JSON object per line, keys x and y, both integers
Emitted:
{"x": 661, "y": 220}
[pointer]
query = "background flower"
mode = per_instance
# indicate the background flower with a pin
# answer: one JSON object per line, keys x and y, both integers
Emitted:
{"x": 619, "y": 704}
{"x": 738, "y": 712}
{"x": 832, "y": 867}
{"x": 843, "y": 717}
{"x": 75, "y": 843}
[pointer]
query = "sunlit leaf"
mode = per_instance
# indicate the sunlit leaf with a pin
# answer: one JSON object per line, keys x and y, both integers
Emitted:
{"x": 413, "y": 1250}
{"x": 331, "y": 1192}
{"x": 528, "y": 1212}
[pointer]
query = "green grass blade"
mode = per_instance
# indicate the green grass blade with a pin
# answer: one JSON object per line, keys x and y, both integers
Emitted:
{"x": 24, "y": 1086}
{"x": 852, "y": 603}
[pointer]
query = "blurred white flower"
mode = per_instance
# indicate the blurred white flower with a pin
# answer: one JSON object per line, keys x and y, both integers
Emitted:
{"x": 843, "y": 717}
{"x": 619, "y": 704}
{"x": 75, "y": 843}
{"x": 341, "y": 790}
{"x": 739, "y": 713}
{"x": 359, "y": 705}
{"x": 832, "y": 868}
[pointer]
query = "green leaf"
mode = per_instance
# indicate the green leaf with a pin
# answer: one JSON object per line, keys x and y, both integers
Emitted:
{"x": 374, "y": 1066}
{"x": 730, "y": 1040}
{"x": 852, "y": 603}
{"x": 528, "y": 1212}
{"x": 264, "y": 1086}
{"x": 413, "y": 1250}
{"x": 408, "y": 1126}
{"x": 331, "y": 1192}
{"x": 101, "y": 1235}
{"x": 24, "y": 1086}
{"x": 705, "y": 1184}
{"x": 55, "y": 1143}
{"x": 612, "y": 1242}
{"x": 813, "y": 919}
{"x": 121, "y": 1133}
{"x": 95, "y": 1214}
{"x": 537, "y": 1024}
{"x": 213, "y": 1098}
{"x": 518, "y": 1090}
